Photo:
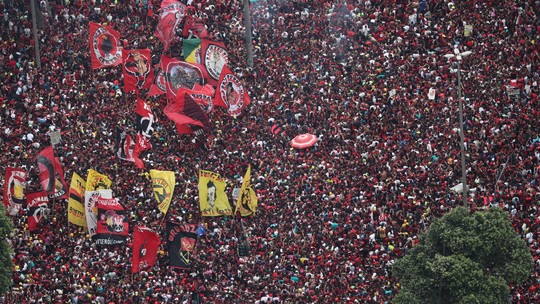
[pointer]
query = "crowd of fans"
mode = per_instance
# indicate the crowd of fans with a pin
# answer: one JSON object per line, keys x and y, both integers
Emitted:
{"x": 369, "y": 78}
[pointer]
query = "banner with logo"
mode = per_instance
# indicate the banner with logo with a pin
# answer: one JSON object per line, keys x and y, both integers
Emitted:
{"x": 247, "y": 199}
{"x": 212, "y": 196}
{"x": 159, "y": 86}
{"x": 76, "y": 213}
{"x": 138, "y": 70}
{"x": 163, "y": 183}
{"x": 97, "y": 181}
{"x": 105, "y": 46}
{"x": 181, "y": 74}
{"x": 38, "y": 208}
{"x": 231, "y": 93}
{"x": 91, "y": 198}
{"x": 13, "y": 196}
{"x": 181, "y": 241}
{"x": 214, "y": 57}
{"x": 171, "y": 14}
{"x": 145, "y": 247}
{"x": 51, "y": 174}
{"x": 112, "y": 225}
{"x": 195, "y": 25}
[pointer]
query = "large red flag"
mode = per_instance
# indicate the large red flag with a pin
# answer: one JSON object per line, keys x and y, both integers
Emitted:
{"x": 181, "y": 74}
{"x": 51, "y": 174}
{"x": 14, "y": 190}
{"x": 38, "y": 208}
{"x": 171, "y": 14}
{"x": 159, "y": 85}
{"x": 214, "y": 57}
{"x": 231, "y": 93}
{"x": 138, "y": 70}
{"x": 105, "y": 47}
{"x": 195, "y": 25}
{"x": 145, "y": 247}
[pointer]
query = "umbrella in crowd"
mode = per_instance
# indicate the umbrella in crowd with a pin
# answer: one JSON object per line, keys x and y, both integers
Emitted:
{"x": 304, "y": 141}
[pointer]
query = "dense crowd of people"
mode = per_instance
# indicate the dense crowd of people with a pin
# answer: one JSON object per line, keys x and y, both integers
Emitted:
{"x": 369, "y": 78}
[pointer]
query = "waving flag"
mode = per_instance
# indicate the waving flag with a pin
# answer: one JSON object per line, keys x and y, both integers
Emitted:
{"x": 61, "y": 189}
{"x": 212, "y": 196}
{"x": 138, "y": 70}
{"x": 195, "y": 25}
{"x": 181, "y": 241}
{"x": 192, "y": 50}
{"x": 180, "y": 74}
{"x": 124, "y": 146}
{"x": 112, "y": 222}
{"x": 76, "y": 214}
{"x": 171, "y": 14}
{"x": 163, "y": 183}
{"x": 91, "y": 199}
{"x": 38, "y": 208}
{"x": 186, "y": 113}
{"x": 105, "y": 47}
{"x": 145, "y": 247}
{"x": 247, "y": 200}
{"x": 231, "y": 93}
{"x": 97, "y": 181}
{"x": 159, "y": 85}
{"x": 51, "y": 173}
{"x": 145, "y": 118}
{"x": 214, "y": 57}
{"x": 13, "y": 196}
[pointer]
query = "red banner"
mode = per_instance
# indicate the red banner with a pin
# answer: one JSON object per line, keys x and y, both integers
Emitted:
{"x": 13, "y": 196}
{"x": 214, "y": 57}
{"x": 138, "y": 70}
{"x": 181, "y": 74}
{"x": 159, "y": 85}
{"x": 105, "y": 46}
{"x": 112, "y": 224}
{"x": 231, "y": 93}
{"x": 171, "y": 14}
{"x": 196, "y": 26}
{"x": 38, "y": 208}
{"x": 145, "y": 247}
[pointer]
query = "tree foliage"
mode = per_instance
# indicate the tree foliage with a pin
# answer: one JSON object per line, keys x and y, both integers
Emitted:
{"x": 5, "y": 250}
{"x": 464, "y": 257}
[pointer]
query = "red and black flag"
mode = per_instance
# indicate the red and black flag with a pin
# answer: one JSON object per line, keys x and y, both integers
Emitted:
{"x": 195, "y": 25}
{"x": 181, "y": 241}
{"x": 171, "y": 14}
{"x": 38, "y": 208}
{"x": 214, "y": 57}
{"x": 231, "y": 93}
{"x": 62, "y": 190}
{"x": 51, "y": 174}
{"x": 138, "y": 70}
{"x": 145, "y": 118}
{"x": 13, "y": 196}
{"x": 186, "y": 113}
{"x": 124, "y": 146}
{"x": 159, "y": 85}
{"x": 181, "y": 74}
{"x": 105, "y": 46}
{"x": 145, "y": 247}
{"x": 112, "y": 224}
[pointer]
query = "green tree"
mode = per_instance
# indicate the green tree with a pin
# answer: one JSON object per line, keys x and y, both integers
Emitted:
{"x": 5, "y": 260}
{"x": 464, "y": 257}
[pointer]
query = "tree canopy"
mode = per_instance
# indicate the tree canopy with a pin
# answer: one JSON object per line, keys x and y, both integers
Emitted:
{"x": 5, "y": 260}
{"x": 464, "y": 257}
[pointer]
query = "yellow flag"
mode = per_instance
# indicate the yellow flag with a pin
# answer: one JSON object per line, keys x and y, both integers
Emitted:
{"x": 163, "y": 186}
{"x": 247, "y": 200}
{"x": 97, "y": 181}
{"x": 76, "y": 214}
{"x": 212, "y": 197}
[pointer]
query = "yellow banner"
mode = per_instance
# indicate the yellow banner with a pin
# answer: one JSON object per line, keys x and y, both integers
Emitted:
{"x": 247, "y": 200}
{"x": 163, "y": 186}
{"x": 97, "y": 181}
{"x": 212, "y": 197}
{"x": 76, "y": 213}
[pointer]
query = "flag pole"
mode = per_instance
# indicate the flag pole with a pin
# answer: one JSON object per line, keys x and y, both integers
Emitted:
{"x": 34, "y": 28}
{"x": 249, "y": 39}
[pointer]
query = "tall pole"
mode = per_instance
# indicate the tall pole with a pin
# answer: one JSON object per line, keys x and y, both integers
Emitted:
{"x": 462, "y": 140}
{"x": 34, "y": 27}
{"x": 249, "y": 39}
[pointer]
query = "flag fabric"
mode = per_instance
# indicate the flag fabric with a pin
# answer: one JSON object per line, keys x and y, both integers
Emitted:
{"x": 192, "y": 50}
{"x": 276, "y": 129}
{"x": 171, "y": 14}
{"x": 76, "y": 214}
{"x": 145, "y": 118}
{"x": 203, "y": 96}
{"x": 61, "y": 189}
{"x": 163, "y": 183}
{"x": 195, "y": 25}
{"x": 214, "y": 57}
{"x": 174, "y": 111}
{"x": 145, "y": 247}
{"x": 91, "y": 198}
{"x": 181, "y": 241}
{"x": 13, "y": 196}
{"x": 231, "y": 93}
{"x": 124, "y": 146}
{"x": 159, "y": 86}
{"x": 184, "y": 110}
{"x": 38, "y": 208}
{"x": 138, "y": 70}
{"x": 51, "y": 173}
{"x": 105, "y": 47}
{"x": 97, "y": 181}
{"x": 181, "y": 74}
{"x": 247, "y": 200}
{"x": 112, "y": 225}
{"x": 212, "y": 196}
